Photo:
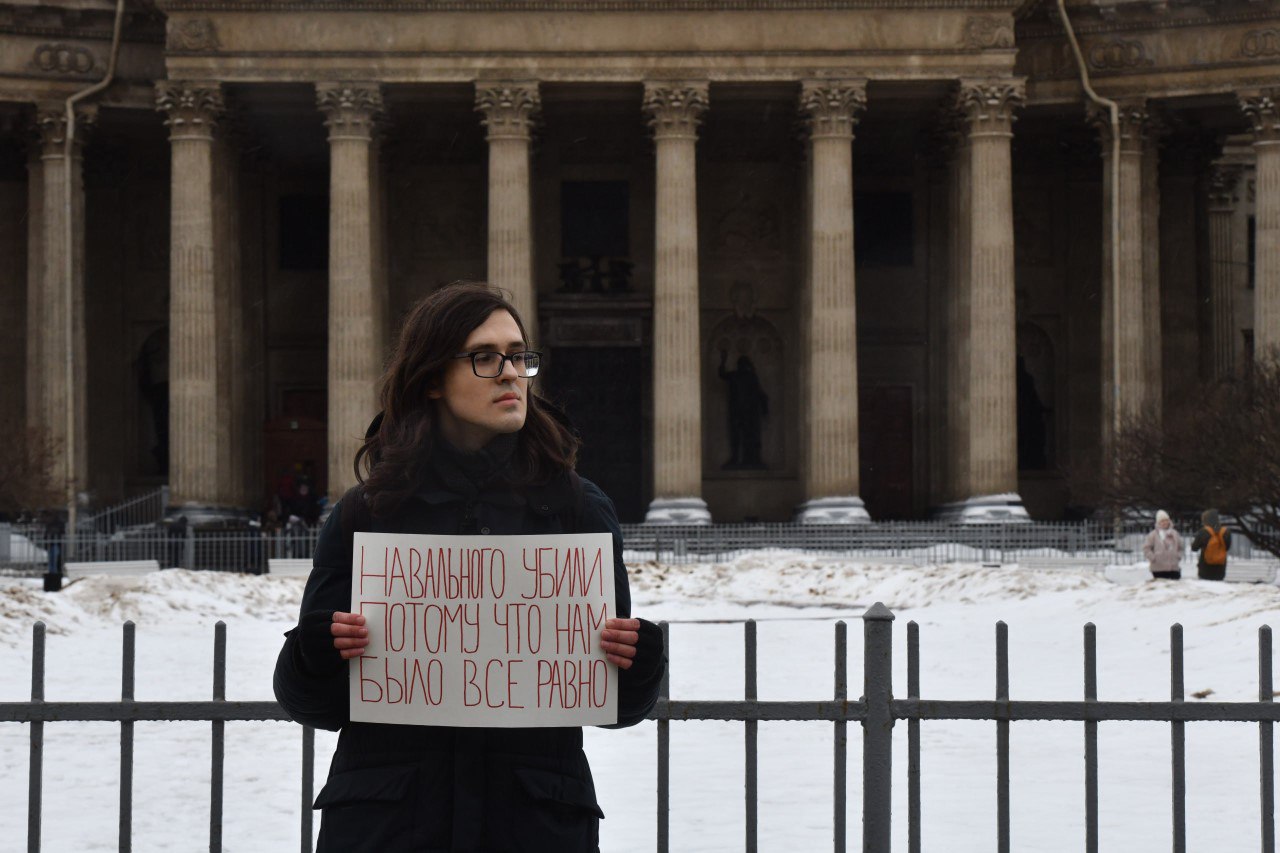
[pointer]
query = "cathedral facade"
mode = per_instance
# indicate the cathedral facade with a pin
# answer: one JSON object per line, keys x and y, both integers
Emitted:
{"x": 820, "y": 260}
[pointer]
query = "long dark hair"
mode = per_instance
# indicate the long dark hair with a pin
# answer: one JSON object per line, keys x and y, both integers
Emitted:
{"x": 393, "y": 459}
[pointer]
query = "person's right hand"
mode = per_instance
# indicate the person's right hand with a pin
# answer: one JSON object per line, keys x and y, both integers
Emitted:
{"x": 350, "y": 637}
{"x": 326, "y": 638}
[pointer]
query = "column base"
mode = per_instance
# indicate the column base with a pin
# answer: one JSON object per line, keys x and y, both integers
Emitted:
{"x": 678, "y": 511}
{"x": 837, "y": 510}
{"x": 985, "y": 509}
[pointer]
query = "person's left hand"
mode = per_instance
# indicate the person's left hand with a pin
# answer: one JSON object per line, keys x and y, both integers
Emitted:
{"x": 618, "y": 640}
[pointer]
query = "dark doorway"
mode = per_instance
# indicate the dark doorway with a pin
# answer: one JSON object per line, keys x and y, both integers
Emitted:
{"x": 601, "y": 389}
{"x": 884, "y": 451}
{"x": 295, "y": 450}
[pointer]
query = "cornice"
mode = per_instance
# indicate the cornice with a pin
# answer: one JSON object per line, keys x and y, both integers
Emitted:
{"x": 1035, "y": 31}
{"x": 50, "y": 21}
{"x": 156, "y": 37}
{"x": 571, "y": 5}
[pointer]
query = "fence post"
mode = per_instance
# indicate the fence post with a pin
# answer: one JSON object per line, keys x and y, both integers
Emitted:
{"x": 877, "y": 729}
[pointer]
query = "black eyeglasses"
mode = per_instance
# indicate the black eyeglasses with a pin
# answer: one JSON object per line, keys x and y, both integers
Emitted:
{"x": 488, "y": 364}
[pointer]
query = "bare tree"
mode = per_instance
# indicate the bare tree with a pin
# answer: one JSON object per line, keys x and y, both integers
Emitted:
{"x": 1219, "y": 447}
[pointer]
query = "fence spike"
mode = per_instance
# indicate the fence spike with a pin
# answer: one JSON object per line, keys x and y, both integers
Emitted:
{"x": 127, "y": 669}
{"x": 1178, "y": 740}
{"x": 35, "y": 766}
{"x": 1266, "y": 743}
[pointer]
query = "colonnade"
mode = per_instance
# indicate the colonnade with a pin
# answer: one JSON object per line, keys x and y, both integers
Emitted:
{"x": 979, "y": 345}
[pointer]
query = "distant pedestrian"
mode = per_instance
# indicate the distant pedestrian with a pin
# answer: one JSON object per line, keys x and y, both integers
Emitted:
{"x": 1213, "y": 542}
{"x": 1163, "y": 549}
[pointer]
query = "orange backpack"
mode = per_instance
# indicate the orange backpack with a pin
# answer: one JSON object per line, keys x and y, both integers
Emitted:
{"x": 1215, "y": 550}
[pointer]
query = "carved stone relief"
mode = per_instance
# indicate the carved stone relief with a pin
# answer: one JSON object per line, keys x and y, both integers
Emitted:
{"x": 60, "y": 58}
{"x": 192, "y": 34}
{"x": 988, "y": 32}
{"x": 1259, "y": 43}
{"x": 1118, "y": 54}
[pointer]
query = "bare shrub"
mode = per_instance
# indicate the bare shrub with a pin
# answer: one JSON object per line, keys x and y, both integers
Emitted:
{"x": 1219, "y": 447}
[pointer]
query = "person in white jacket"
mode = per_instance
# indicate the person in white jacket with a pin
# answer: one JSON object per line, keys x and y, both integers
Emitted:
{"x": 1163, "y": 549}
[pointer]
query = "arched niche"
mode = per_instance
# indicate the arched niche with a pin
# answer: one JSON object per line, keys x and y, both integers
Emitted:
{"x": 746, "y": 392}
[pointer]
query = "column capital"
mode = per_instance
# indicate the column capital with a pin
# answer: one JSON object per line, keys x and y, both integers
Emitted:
{"x": 350, "y": 109}
{"x": 50, "y": 124}
{"x": 510, "y": 108}
{"x": 1224, "y": 178}
{"x": 675, "y": 109}
{"x": 191, "y": 109}
{"x": 1261, "y": 108}
{"x": 830, "y": 108}
{"x": 987, "y": 106}
{"x": 1136, "y": 124}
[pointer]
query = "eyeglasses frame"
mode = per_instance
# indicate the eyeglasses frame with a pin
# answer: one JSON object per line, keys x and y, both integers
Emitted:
{"x": 502, "y": 365}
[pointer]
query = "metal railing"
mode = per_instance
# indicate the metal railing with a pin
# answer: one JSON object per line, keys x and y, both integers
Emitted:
{"x": 877, "y": 711}
{"x": 144, "y": 509}
{"x": 905, "y": 542}
{"x": 909, "y": 542}
{"x": 242, "y": 551}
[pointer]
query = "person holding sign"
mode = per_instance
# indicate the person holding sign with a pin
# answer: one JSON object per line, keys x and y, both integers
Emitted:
{"x": 465, "y": 450}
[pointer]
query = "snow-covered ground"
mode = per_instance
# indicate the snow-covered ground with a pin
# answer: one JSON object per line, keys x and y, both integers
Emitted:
{"x": 796, "y": 600}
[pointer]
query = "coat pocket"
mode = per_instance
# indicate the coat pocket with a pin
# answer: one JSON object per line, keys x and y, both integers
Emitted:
{"x": 545, "y": 786}
{"x": 367, "y": 785}
{"x": 368, "y": 810}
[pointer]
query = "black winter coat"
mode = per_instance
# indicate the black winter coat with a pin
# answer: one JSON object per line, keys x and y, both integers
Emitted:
{"x": 429, "y": 789}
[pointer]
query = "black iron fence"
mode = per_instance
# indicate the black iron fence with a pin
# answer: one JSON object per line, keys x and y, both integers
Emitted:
{"x": 27, "y": 548}
{"x": 877, "y": 711}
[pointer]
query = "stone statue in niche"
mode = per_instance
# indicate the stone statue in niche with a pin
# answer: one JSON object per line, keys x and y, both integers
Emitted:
{"x": 746, "y": 351}
{"x": 748, "y": 407}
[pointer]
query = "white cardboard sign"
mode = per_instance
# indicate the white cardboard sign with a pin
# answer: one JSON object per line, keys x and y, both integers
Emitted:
{"x": 483, "y": 630}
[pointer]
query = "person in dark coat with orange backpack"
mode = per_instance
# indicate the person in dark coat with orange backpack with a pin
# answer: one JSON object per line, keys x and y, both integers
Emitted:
{"x": 463, "y": 446}
{"x": 1213, "y": 542}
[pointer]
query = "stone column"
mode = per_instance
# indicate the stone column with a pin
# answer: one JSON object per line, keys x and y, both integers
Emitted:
{"x": 830, "y": 110}
{"x": 675, "y": 110}
{"x": 195, "y": 468}
{"x": 1264, "y": 115}
{"x": 1153, "y": 333}
{"x": 957, "y": 308}
{"x": 58, "y": 304}
{"x": 986, "y": 303}
{"x": 1124, "y": 360}
{"x": 1223, "y": 180}
{"x": 509, "y": 111}
{"x": 355, "y": 358}
{"x": 233, "y": 438}
{"x": 37, "y": 429}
